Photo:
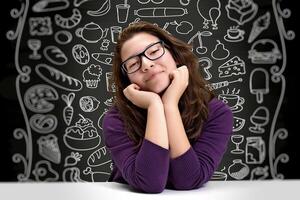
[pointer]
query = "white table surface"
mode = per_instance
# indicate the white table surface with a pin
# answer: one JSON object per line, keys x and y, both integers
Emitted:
{"x": 215, "y": 190}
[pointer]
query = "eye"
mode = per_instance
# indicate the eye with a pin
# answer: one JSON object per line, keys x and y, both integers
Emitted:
{"x": 154, "y": 52}
{"x": 133, "y": 65}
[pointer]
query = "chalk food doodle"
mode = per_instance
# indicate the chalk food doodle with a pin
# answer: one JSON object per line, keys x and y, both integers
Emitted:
{"x": 64, "y": 70}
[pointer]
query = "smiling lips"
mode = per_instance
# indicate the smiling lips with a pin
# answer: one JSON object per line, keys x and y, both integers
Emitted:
{"x": 152, "y": 76}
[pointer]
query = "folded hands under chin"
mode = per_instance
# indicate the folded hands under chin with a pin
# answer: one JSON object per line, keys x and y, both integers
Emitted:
{"x": 143, "y": 99}
{"x": 140, "y": 98}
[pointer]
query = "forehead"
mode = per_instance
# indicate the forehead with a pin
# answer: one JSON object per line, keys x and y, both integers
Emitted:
{"x": 137, "y": 44}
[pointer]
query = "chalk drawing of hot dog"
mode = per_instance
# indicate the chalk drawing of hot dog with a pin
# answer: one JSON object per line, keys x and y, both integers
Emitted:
{"x": 161, "y": 12}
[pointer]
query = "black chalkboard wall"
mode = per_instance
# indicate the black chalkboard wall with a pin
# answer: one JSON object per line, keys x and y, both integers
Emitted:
{"x": 55, "y": 90}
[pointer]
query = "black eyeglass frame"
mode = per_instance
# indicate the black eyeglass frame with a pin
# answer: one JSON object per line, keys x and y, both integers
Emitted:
{"x": 123, "y": 67}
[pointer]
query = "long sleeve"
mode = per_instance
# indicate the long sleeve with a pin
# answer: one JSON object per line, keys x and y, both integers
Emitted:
{"x": 145, "y": 168}
{"x": 196, "y": 166}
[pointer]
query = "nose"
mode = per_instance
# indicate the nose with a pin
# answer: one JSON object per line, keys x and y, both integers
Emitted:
{"x": 146, "y": 63}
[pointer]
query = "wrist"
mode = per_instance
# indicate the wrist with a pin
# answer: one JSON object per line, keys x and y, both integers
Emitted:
{"x": 170, "y": 106}
{"x": 169, "y": 101}
{"x": 156, "y": 103}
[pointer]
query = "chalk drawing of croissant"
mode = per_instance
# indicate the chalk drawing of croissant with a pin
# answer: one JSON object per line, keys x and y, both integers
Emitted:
{"x": 210, "y": 12}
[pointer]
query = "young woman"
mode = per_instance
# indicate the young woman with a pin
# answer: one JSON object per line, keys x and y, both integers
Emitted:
{"x": 166, "y": 129}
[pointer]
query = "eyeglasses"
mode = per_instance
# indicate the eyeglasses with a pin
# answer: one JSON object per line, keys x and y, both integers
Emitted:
{"x": 152, "y": 52}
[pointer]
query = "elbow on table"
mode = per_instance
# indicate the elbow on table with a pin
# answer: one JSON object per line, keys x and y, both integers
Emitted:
{"x": 187, "y": 187}
{"x": 150, "y": 185}
{"x": 190, "y": 185}
{"x": 153, "y": 188}
{"x": 148, "y": 182}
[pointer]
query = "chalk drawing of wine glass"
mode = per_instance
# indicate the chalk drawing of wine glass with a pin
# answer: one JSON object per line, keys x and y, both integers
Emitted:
{"x": 259, "y": 118}
{"x": 34, "y": 45}
{"x": 237, "y": 140}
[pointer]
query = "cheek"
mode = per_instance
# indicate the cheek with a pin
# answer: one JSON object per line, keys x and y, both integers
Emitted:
{"x": 136, "y": 80}
{"x": 131, "y": 79}
{"x": 170, "y": 60}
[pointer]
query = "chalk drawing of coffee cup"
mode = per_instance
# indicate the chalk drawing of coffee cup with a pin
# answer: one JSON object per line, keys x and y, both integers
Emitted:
{"x": 234, "y": 35}
{"x": 234, "y": 101}
{"x": 91, "y": 32}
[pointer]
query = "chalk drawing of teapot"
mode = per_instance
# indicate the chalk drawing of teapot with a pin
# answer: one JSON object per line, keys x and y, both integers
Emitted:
{"x": 91, "y": 32}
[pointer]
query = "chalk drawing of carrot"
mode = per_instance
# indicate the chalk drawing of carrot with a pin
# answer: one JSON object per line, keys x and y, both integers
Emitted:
{"x": 68, "y": 110}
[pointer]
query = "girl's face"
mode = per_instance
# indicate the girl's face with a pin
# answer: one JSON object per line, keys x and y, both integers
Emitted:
{"x": 153, "y": 75}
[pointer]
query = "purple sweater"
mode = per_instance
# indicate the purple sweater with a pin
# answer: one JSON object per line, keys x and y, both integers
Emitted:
{"x": 150, "y": 168}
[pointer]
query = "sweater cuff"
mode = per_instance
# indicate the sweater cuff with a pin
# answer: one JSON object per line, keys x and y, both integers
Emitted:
{"x": 186, "y": 165}
{"x": 148, "y": 144}
{"x": 151, "y": 156}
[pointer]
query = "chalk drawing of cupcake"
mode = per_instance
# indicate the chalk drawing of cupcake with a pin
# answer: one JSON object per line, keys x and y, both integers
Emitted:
{"x": 91, "y": 76}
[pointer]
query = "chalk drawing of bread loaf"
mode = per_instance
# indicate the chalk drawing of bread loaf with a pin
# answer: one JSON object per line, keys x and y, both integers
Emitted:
{"x": 58, "y": 78}
{"x": 99, "y": 157}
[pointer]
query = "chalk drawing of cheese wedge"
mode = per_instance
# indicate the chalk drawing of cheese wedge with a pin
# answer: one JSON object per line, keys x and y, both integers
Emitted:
{"x": 69, "y": 22}
{"x": 103, "y": 58}
{"x": 58, "y": 78}
{"x": 101, "y": 11}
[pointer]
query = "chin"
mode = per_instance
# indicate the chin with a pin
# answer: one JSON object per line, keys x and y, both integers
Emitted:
{"x": 158, "y": 90}
{"x": 161, "y": 87}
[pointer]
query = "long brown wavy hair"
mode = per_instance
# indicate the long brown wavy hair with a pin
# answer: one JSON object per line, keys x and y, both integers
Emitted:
{"x": 193, "y": 104}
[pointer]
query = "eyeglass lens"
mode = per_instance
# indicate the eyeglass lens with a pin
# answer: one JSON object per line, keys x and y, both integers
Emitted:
{"x": 153, "y": 52}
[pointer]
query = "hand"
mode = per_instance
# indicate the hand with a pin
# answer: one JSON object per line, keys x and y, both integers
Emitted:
{"x": 142, "y": 99}
{"x": 180, "y": 81}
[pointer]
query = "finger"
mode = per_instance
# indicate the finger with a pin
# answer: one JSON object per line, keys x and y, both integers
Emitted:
{"x": 125, "y": 92}
{"x": 184, "y": 70}
{"x": 136, "y": 87}
{"x": 182, "y": 67}
{"x": 178, "y": 72}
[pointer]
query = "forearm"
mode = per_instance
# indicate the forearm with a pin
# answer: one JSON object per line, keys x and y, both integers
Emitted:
{"x": 178, "y": 140}
{"x": 156, "y": 128}
{"x": 144, "y": 173}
